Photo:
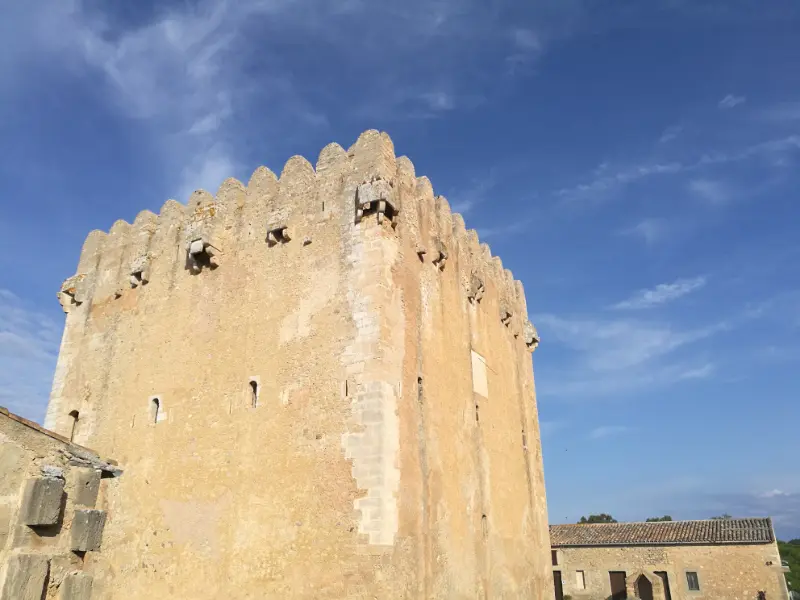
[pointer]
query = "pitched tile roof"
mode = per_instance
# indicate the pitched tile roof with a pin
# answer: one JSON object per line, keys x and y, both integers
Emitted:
{"x": 713, "y": 531}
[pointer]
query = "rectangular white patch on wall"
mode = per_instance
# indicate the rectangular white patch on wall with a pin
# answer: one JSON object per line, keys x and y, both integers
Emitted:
{"x": 480, "y": 383}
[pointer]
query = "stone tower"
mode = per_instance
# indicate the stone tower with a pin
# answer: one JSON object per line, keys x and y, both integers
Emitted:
{"x": 319, "y": 386}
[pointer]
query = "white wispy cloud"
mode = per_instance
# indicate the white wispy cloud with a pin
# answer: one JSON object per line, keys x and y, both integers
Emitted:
{"x": 617, "y": 344}
{"x": 179, "y": 75}
{"x": 439, "y": 100}
{"x": 526, "y": 46}
{"x": 526, "y": 39}
{"x": 206, "y": 170}
{"x": 29, "y": 342}
{"x": 614, "y": 356}
{"x": 730, "y": 101}
{"x": 651, "y": 230}
{"x": 670, "y": 133}
{"x": 661, "y": 294}
{"x": 604, "y": 181}
{"x": 477, "y": 192}
{"x": 772, "y": 493}
{"x": 194, "y": 80}
{"x": 698, "y": 372}
{"x": 712, "y": 191}
{"x": 605, "y": 431}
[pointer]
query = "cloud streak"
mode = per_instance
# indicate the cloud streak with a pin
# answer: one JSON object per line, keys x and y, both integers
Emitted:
{"x": 29, "y": 342}
{"x": 606, "y": 431}
{"x": 613, "y": 356}
{"x": 731, "y": 101}
{"x": 670, "y": 133}
{"x": 651, "y": 230}
{"x": 712, "y": 191}
{"x": 661, "y": 294}
{"x": 604, "y": 183}
{"x": 192, "y": 75}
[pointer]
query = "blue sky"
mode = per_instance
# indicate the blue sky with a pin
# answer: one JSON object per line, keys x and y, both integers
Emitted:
{"x": 634, "y": 163}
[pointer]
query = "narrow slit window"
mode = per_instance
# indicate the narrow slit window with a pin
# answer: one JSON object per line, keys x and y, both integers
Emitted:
{"x": 253, "y": 393}
{"x": 155, "y": 409}
{"x": 73, "y": 431}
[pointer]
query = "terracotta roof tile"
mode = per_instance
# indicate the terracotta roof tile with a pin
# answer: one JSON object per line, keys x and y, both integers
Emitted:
{"x": 713, "y": 531}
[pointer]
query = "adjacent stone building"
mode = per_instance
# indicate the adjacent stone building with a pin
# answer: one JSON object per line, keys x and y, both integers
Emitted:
{"x": 320, "y": 386}
{"x": 51, "y": 517}
{"x": 725, "y": 559}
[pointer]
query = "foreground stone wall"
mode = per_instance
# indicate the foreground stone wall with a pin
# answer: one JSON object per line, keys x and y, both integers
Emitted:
{"x": 50, "y": 527}
{"x": 730, "y": 572}
{"x": 320, "y": 385}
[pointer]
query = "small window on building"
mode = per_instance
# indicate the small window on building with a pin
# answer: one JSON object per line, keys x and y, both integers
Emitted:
{"x": 692, "y": 581}
{"x": 73, "y": 430}
{"x": 253, "y": 393}
{"x": 554, "y": 556}
{"x": 580, "y": 580}
{"x": 155, "y": 409}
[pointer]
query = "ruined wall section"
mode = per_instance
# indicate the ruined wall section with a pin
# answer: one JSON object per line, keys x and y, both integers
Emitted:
{"x": 51, "y": 531}
{"x": 287, "y": 370}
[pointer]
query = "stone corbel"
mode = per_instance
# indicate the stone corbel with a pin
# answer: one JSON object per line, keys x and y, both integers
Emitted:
{"x": 476, "y": 289}
{"x": 441, "y": 255}
{"x": 279, "y": 233}
{"x": 506, "y": 315}
{"x": 72, "y": 292}
{"x": 140, "y": 271}
{"x": 531, "y": 336}
{"x": 377, "y": 197}
{"x": 202, "y": 253}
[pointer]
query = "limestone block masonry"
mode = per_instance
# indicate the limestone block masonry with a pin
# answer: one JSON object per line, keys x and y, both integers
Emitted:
{"x": 41, "y": 501}
{"x": 48, "y": 490}
{"x": 87, "y": 530}
{"x": 286, "y": 371}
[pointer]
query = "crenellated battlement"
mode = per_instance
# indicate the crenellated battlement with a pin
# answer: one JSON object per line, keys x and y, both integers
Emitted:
{"x": 364, "y": 185}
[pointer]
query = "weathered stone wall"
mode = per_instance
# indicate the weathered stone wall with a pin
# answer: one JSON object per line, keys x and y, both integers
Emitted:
{"x": 358, "y": 304}
{"x": 729, "y": 572}
{"x": 50, "y": 532}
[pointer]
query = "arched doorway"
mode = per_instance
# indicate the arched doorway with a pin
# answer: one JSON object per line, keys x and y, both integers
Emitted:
{"x": 644, "y": 589}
